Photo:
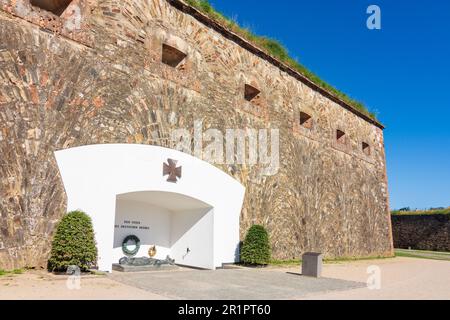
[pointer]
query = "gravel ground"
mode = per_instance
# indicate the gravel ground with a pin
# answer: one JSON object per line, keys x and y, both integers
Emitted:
{"x": 401, "y": 278}
{"x": 43, "y": 285}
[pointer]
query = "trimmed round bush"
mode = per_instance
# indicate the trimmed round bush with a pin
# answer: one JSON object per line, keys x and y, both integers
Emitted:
{"x": 256, "y": 247}
{"x": 73, "y": 243}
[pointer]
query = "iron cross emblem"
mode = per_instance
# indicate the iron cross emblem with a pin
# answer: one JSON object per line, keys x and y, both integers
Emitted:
{"x": 172, "y": 170}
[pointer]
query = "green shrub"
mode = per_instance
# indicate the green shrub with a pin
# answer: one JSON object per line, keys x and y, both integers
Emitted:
{"x": 256, "y": 248}
{"x": 73, "y": 243}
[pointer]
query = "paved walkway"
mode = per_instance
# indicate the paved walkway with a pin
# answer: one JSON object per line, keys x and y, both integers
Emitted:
{"x": 231, "y": 284}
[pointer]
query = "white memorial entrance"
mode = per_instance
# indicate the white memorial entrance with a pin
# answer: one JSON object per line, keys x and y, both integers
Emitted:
{"x": 186, "y": 208}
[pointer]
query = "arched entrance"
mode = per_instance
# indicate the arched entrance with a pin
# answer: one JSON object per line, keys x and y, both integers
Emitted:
{"x": 179, "y": 226}
{"x": 192, "y": 204}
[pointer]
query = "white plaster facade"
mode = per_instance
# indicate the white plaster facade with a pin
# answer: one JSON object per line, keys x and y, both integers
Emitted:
{"x": 122, "y": 184}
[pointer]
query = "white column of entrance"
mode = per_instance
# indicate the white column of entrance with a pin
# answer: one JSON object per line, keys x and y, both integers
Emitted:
{"x": 95, "y": 176}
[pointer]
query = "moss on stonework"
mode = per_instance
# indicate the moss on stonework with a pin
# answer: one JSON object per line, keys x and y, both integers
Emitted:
{"x": 277, "y": 50}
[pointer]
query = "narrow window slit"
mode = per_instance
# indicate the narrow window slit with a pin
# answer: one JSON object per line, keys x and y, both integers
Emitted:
{"x": 306, "y": 120}
{"x": 251, "y": 93}
{"x": 340, "y": 136}
{"x": 366, "y": 148}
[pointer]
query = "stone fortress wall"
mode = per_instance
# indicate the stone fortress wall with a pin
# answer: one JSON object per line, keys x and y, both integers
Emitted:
{"x": 422, "y": 232}
{"x": 95, "y": 74}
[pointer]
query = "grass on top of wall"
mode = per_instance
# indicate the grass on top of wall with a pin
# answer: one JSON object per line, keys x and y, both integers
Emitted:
{"x": 277, "y": 50}
{"x": 406, "y": 212}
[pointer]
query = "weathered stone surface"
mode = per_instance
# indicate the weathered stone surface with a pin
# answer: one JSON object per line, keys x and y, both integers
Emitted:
{"x": 422, "y": 232}
{"x": 103, "y": 82}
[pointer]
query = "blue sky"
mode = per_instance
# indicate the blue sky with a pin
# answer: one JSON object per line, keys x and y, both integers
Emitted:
{"x": 401, "y": 71}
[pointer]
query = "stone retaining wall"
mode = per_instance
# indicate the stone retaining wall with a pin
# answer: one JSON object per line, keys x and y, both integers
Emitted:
{"x": 422, "y": 232}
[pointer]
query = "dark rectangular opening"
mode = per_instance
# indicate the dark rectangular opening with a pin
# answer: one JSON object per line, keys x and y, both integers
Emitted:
{"x": 366, "y": 148}
{"x": 56, "y": 7}
{"x": 251, "y": 93}
{"x": 172, "y": 56}
{"x": 306, "y": 120}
